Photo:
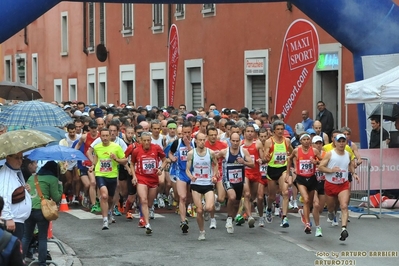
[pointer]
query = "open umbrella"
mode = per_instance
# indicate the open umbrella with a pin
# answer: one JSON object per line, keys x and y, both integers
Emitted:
{"x": 22, "y": 140}
{"x": 58, "y": 153}
{"x": 18, "y": 91}
{"x": 55, "y": 132}
{"x": 390, "y": 111}
{"x": 34, "y": 114}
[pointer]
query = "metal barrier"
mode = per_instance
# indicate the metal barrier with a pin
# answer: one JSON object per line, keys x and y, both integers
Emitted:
{"x": 362, "y": 189}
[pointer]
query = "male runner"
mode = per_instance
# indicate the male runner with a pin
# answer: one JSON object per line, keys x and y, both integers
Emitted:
{"x": 202, "y": 169}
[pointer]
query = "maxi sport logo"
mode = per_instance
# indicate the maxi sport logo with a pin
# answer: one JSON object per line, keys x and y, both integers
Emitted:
{"x": 298, "y": 57}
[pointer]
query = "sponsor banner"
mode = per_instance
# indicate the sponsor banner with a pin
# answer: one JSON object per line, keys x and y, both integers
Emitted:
{"x": 299, "y": 55}
{"x": 389, "y": 168}
{"x": 173, "y": 59}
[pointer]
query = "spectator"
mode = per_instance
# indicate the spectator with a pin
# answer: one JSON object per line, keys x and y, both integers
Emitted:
{"x": 375, "y": 133}
{"x": 14, "y": 257}
{"x": 51, "y": 188}
{"x": 306, "y": 121}
{"x": 325, "y": 117}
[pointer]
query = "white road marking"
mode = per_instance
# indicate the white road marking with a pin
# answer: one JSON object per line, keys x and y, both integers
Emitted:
{"x": 84, "y": 215}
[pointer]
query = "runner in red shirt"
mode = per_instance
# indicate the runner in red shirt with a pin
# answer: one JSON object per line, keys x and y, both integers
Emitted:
{"x": 216, "y": 145}
{"x": 144, "y": 161}
{"x": 252, "y": 175}
{"x": 304, "y": 158}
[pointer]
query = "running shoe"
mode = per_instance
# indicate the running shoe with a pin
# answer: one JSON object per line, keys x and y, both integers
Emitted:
{"x": 155, "y": 203}
{"x": 184, "y": 227}
{"x": 213, "y": 224}
{"x": 129, "y": 215}
{"x": 201, "y": 235}
{"x": 229, "y": 225}
{"x": 277, "y": 210}
{"x": 206, "y": 215}
{"x": 111, "y": 217}
{"x": 262, "y": 221}
{"x": 217, "y": 206}
{"x": 251, "y": 222}
{"x": 75, "y": 200}
{"x": 141, "y": 222}
{"x": 95, "y": 208}
{"x": 284, "y": 223}
{"x": 290, "y": 205}
{"x": 344, "y": 234}
{"x": 148, "y": 229}
{"x": 105, "y": 225}
{"x": 175, "y": 203}
{"x": 300, "y": 211}
{"x": 318, "y": 233}
{"x": 335, "y": 222}
{"x": 269, "y": 217}
{"x": 177, "y": 211}
{"x": 116, "y": 211}
{"x": 308, "y": 229}
{"x": 152, "y": 215}
{"x": 330, "y": 217}
{"x": 239, "y": 220}
{"x": 295, "y": 204}
{"x": 161, "y": 202}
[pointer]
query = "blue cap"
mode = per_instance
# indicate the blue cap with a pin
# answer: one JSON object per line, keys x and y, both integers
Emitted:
{"x": 311, "y": 131}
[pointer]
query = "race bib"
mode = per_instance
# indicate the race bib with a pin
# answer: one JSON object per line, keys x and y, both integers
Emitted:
{"x": 320, "y": 176}
{"x": 201, "y": 171}
{"x": 235, "y": 176}
{"x": 280, "y": 158}
{"x": 183, "y": 151}
{"x": 305, "y": 167}
{"x": 149, "y": 166}
{"x": 263, "y": 169}
{"x": 105, "y": 166}
{"x": 339, "y": 177}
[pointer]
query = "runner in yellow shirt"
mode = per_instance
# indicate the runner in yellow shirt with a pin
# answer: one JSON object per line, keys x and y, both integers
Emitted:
{"x": 107, "y": 156}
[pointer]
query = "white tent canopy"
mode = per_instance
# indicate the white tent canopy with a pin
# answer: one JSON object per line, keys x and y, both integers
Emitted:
{"x": 378, "y": 89}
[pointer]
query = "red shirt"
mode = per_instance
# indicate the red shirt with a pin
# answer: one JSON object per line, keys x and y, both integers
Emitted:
{"x": 87, "y": 143}
{"x": 217, "y": 147}
{"x": 146, "y": 161}
{"x": 304, "y": 167}
{"x": 254, "y": 153}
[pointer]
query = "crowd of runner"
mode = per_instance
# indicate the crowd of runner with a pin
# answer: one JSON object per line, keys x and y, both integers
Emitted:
{"x": 194, "y": 161}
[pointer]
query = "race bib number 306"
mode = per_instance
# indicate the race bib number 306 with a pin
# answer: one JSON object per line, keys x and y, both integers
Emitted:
{"x": 149, "y": 166}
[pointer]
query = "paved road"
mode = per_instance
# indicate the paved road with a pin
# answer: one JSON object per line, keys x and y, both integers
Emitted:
{"x": 126, "y": 244}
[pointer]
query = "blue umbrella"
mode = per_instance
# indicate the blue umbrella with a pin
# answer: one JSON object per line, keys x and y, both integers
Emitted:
{"x": 57, "y": 153}
{"x": 34, "y": 114}
{"x": 55, "y": 132}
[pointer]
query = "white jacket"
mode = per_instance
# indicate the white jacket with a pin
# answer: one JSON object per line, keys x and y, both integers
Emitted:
{"x": 9, "y": 181}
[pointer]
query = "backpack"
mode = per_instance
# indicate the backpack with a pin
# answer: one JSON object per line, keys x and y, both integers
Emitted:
{"x": 7, "y": 242}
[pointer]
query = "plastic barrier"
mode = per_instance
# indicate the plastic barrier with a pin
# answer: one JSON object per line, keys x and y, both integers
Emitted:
{"x": 361, "y": 189}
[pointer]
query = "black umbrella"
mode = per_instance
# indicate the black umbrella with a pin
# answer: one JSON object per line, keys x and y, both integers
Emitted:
{"x": 18, "y": 91}
{"x": 390, "y": 111}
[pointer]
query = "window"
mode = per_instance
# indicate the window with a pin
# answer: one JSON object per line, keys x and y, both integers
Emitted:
{"x": 8, "y": 68}
{"x": 157, "y": 83}
{"x": 208, "y": 9}
{"x": 73, "y": 95}
{"x": 179, "y": 13}
{"x": 127, "y": 77}
{"x": 91, "y": 26}
{"x": 20, "y": 65}
{"x": 157, "y": 17}
{"x": 102, "y": 85}
{"x": 35, "y": 72}
{"x": 64, "y": 33}
{"x": 91, "y": 85}
{"x": 102, "y": 23}
{"x": 127, "y": 29}
{"x": 58, "y": 90}
{"x": 194, "y": 86}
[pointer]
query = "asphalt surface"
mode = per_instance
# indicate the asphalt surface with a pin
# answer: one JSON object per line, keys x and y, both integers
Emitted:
{"x": 126, "y": 244}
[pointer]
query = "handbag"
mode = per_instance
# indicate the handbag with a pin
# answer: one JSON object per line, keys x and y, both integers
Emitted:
{"x": 48, "y": 206}
{"x": 18, "y": 195}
